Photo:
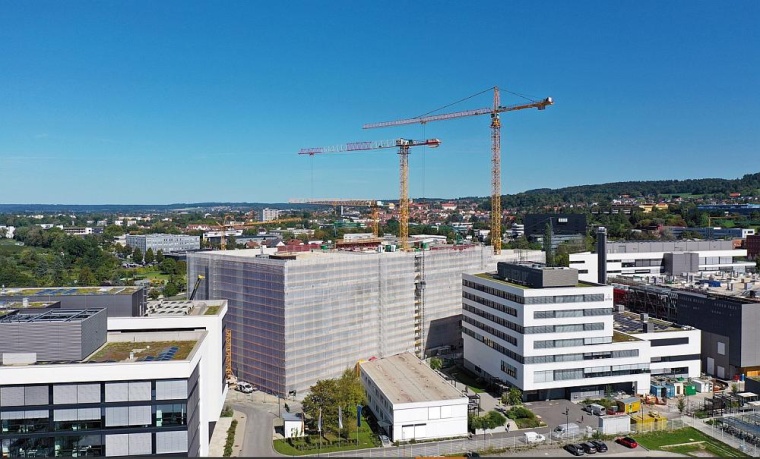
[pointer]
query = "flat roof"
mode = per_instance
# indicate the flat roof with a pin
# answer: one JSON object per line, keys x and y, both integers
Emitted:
{"x": 495, "y": 277}
{"x": 184, "y": 307}
{"x": 404, "y": 378}
{"x": 145, "y": 347}
{"x": 630, "y": 322}
{"x": 51, "y": 315}
{"x": 14, "y": 304}
{"x": 68, "y": 291}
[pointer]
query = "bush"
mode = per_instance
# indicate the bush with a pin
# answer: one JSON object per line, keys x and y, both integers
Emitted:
{"x": 230, "y": 439}
{"x": 520, "y": 412}
{"x": 227, "y": 412}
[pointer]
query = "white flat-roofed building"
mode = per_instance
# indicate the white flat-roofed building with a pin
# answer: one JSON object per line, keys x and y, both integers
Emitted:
{"x": 152, "y": 385}
{"x": 543, "y": 331}
{"x": 166, "y": 243}
{"x": 411, "y": 401}
{"x": 656, "y": 258}
{"x": 674, "y": 349}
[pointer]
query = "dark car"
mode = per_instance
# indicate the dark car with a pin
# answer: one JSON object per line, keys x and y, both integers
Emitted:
{"x": 575, "y": 450}
{"x": 601, "y": 447}
{"x": 588, "y": 447}
{"x": 471, "y": 454}
{"x": 627, "y": 441}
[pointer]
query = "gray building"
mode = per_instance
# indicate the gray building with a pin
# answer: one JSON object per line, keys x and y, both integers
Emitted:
{"x": 730, "y": 340}
{"x": 298, "y": 318}
{"x": 167, "y": 243}
{"x": 120, "y": 301}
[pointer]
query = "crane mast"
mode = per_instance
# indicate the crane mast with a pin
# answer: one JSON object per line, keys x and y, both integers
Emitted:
{"x": 495, "y": 148}
{"x": 403, "y": 151}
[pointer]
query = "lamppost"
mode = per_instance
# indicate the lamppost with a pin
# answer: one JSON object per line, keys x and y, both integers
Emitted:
{"x": 567, "y": 420}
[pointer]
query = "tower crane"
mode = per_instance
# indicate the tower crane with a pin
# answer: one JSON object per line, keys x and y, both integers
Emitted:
{"x": 495, "y": 148}
{"x": 372, "y": 204}
{"x": 403, "y": 152}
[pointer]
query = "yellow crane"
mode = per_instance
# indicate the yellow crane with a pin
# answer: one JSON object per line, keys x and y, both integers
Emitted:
{"x": 371, "y": 203}
{"x": 403, "y": 152}
{"x": 495, "y": 148}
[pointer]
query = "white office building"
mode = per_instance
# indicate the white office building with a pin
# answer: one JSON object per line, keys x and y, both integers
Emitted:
{"x": 167, "y": 243}
{"x": 411, "y": 401}
{"x": 658, "y": 258}
{"x": 552, "y": 336}
{"x": 78, "y": 383}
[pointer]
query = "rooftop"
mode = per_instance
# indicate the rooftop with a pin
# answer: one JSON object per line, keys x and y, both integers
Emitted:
{"x": 404, "y": 378}
{"x": 630, "y": 322}
{"x": 13, "y": 304}
{"x": 65, "y": 291}
{"x": 50, "y": 315}
{"x": 494, "y": 277}
{"x": 155, "y": 349}
{"x": 619, "y": 337}
{"x": 184, "y": 307}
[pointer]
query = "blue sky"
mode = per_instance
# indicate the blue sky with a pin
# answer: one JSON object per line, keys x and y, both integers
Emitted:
{"x": 147, "y": 102}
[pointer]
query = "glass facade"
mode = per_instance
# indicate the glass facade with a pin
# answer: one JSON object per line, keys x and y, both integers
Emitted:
{"x": 95, "y": 419}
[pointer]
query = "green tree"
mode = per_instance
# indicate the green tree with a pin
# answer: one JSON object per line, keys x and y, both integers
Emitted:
{"x": 436, "y": 363}
{"x": 513, "y": 397}
{"x": 168, "y": 266}
{"x": 329, "y": 394}
{"x": 170, "y": 289}
{"x": 159, "y": 256}
{"x": 149, "y": 257}
{"x": 681, "y": 405}
{"x": 86, "y": 277}
{"x": 734, "y": 388}
{"x": 137, "y": 255}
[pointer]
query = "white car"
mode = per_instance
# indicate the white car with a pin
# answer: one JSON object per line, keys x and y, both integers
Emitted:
{"x": 245, "y": 387}
{"x": 385, "y": 441}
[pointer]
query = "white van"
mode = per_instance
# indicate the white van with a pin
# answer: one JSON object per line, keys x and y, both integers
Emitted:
{"x": 563, "y": 431}
{"x": 596, "y": 409}
{"x": 533, "y": 437}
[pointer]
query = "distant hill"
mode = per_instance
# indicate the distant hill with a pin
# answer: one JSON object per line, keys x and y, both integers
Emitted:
{"x": 748, "y": 185}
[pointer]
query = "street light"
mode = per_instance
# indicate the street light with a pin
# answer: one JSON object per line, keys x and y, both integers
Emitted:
{"x": 567, "y": 420}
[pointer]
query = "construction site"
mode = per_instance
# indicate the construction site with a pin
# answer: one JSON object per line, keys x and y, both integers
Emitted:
{"x": 296, "y": 317}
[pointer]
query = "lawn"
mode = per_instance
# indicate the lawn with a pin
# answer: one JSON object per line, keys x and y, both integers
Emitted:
{"x": 367, "y": 439}
{"x": 687, "y": 441}
{"x": 467, "y": 378}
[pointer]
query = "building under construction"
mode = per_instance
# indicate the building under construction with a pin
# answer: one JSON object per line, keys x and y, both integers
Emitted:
{"x": 300, "y": 317}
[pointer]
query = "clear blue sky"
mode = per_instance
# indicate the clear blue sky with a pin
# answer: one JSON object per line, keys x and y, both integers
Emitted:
{"x": 158, "y": 102}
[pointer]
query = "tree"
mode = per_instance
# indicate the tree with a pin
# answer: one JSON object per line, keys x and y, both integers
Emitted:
{"x": 681, "y": 405}
{"x": 436, "y": 363}
{"x": 513, "y": 397}
{"x": 170, "y": 289}
{"x": 168, "y": 266}
{"x": 159, "y": 256}
{"x": 734, "y": 388}
{"x": 329, "y": 394}
{"x": 86, "y": 277}
{"x": 149, "y": 257}
{"x": 137, "y": 255}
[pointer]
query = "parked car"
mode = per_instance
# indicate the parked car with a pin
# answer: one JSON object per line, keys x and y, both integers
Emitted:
{"x": 601, "y": 447}
{"x": 588, "y": 447}
{"x": 575, "y": 450}
{"x": 245, "y": 387}
{"x": 627, "y": 441}
{"x": 386, "y": 442}
{"x": 471, "y": 454}
{"x": 533, "y": 437}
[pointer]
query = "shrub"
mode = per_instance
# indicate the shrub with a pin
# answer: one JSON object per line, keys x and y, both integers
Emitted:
{"x": 227, "y": 411}
{"x": 230, "y": 439}
{"x": 520, "y": 412}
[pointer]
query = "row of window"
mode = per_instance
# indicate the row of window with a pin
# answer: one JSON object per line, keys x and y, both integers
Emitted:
{"x": 494, "y": 318}
{"x": 490, "y": 303}
{"x": 565, "y": 328}
{"x": 493, "y": 345}
{"x": 534, "y": 300}
{"x": 134, "y": 444}
{"x": 572, "y": 313}
{"x": 508, "y": 369}
{"x": 581, "y": 373}
{"x": 552, "y": 343}
{"x": 486, "y": 328}
{"x": 93, "y": 393}
{"x": 75, "y": 419}
{"x": 582, "y": 356}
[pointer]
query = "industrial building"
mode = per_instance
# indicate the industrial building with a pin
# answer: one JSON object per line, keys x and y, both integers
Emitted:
{"x": 296, "y": 318}
{"x": 563, "y": 227}
{"x": 725, "y": 308}
{"x": 120, "y": 301}
{"x": 166, "y": 243}
{"x": 553, "y": 336}
{"x": 411, "y": 401}
{"x": 711, "y": 232}
{"x": 78, "y": 383}
{"x": 658, "y": 258}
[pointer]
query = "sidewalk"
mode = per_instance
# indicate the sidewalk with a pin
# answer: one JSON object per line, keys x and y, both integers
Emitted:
{"x": 219, "y": 438}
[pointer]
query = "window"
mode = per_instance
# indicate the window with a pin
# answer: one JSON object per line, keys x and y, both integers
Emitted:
{"x": 721, "y": 348}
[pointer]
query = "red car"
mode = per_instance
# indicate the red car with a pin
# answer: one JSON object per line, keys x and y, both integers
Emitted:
{"x": 627, "y": 441}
